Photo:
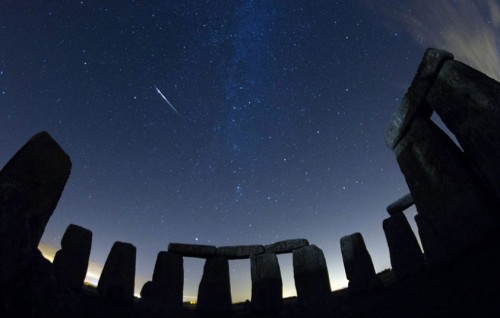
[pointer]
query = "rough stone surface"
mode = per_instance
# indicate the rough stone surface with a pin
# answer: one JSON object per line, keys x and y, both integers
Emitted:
{"x": 445, "y": 188}
{"x": 468, "y": 102}
{"x": 214, "y": 293}
{"x": 72, "y": 260}
{"x": 193, "y": 250}
{"x": 31, "y": 184}
{"x": 118, "y": 275}
{"x": 406, "y": 256}
{"x": 168, "y": 280}
{"x": 437, "y": 252}
{"x": 239, "y": 252}
{"x": 358, "y": 264}
{"x": 401, "y": 204}
{"x": 310, "y": 273}
{"x": 414, "y": 103}
{"x": 285, "y": 246}
{"x": 267, "y": 286}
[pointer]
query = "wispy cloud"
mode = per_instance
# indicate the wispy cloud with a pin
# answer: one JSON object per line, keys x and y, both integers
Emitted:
{"x": 468, "y": 29}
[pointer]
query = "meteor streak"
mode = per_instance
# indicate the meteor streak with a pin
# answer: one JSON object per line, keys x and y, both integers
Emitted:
{"x": 165, "y": 99}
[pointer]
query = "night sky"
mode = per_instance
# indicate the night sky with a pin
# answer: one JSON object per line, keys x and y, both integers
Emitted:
{"x": 274, "y": 126}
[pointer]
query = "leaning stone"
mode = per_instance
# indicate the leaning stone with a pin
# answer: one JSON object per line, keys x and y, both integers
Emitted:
{"x": 406, "y": 256}
{"x": 168, "y": 279}
{"x": 358, "y": 264}
{"x": 414, "y": 103}
{"x": 468, "y": 102}
{"x": 117, "y": 278}
{"x": 286, "y": 246}
{"x": 72, "y": 260}
{"x": 400, "y": 205}
{"x": 193, "y": 250}
{"x": 239, "y": 252}
{"x": 437, "y": 252}
{"x": 267, "y": 286}
{"x": 31, "y": 184}
{"x": 445, "y": 188}
{"x": 310, "y": 273}
{"x": 214, "y": 293}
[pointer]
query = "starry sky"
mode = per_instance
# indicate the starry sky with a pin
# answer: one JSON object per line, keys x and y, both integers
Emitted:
{"x": 274, "y": 126}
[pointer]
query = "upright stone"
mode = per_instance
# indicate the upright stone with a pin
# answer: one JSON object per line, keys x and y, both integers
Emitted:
{"x": 400, "y": 205}
{"x": 72, "y": 260}
{"x": 31, "y": 184}
{"x": 468, "y": 102}
{"x": 358, "y": 264}
{"x": 267, "y": 286}
{"x": 214, "y": 293}
{"x": 168, "y": 280}
{"x": 310, "y": 273}
{"x": 117, "y": 278}
{"x": 445, "y": 189}
{"x": 437, "y": 252}
{"x": 286, "y": 246}
{"x": 414, "y": 103}
{"x": 405, "y": 253}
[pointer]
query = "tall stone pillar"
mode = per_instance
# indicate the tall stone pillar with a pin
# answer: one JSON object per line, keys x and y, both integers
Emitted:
{"x": 267, "y": 286}
{"x": 310, "y": 273}
{"x": 72, "y": 260}
{"x": 446, "y": 190}
{"x": 118, "y": 275}
{"x": 168, "y": 280}
{"x": 214, "y": 293}
{"x": 405, "y": 253}
{"x": 358, "y": 264}
{"x": 31, "y": 184}
{"x": 468, "y": 102}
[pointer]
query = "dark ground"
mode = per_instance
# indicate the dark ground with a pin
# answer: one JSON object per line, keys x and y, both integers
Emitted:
{"x": 469, "y": 287}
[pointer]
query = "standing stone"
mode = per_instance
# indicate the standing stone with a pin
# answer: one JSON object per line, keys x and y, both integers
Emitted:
{"x": 414, "y": 103}
{"x": 286, "y": 246}
{"x": 31, "y": 184}
{"x": 310, "y": 273}
{"x": 437, "y": 252}
{"x": 358, "y": 264}
{"x": 168, "y": 280}
{"x": 400, "y": 205}
{"x": 405, "y": 253}
{"x": 118, "y": 275}
{"x": 214, "y": 293}
{"x": 267, "y": 286}
{"x": 445, "y": 188}
{"x": 72, "y": 260}
{"x": 468, "y": 102}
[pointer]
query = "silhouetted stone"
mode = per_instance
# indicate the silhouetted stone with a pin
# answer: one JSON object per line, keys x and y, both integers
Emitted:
{"x": 31, "y": 184}
{"x": 358, "y": 264}
{"x": 37, "y": 293}
{"x": 445, "y": 188}
{"x": 436, "y": 251}
{"x": 193, "y": 250}
{"x": 400, "y": 205}
{"x": 168, "y": 280}
{"x": 468, "y": 102}
{"x": 414, "y": 103}
{"x": 118, "y": 275}
{"x": 214, "y": 293}
{"x": 405, "y": 253}
{"x": 267, "y": 286}
{"x": 72, "y": 260}
{"x": 239, "y": 252}
{"x": 311, "y": 273}
{"x": 286, "y": 246}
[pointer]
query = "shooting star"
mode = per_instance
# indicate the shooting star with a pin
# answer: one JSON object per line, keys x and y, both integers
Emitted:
{"x": 165, "y": 99}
